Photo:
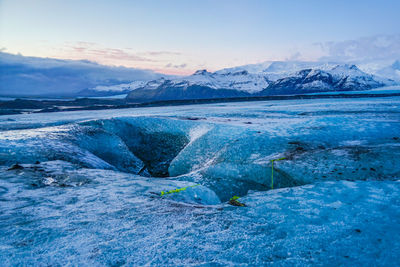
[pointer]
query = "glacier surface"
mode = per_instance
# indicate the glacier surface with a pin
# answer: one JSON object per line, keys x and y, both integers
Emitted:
{"x": 150, "y": 186}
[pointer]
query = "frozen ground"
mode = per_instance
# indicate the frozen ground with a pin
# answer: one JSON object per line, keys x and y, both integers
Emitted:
{"x": 88, "y": 188}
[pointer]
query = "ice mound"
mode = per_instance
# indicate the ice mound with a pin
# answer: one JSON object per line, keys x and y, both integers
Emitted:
{"x": 232, "y": 160}
{"x": 64, "y": 174}
{"x": 44, "y": 144}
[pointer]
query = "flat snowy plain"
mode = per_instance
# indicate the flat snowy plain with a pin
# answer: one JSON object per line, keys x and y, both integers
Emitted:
{"x": 76, "y": 197}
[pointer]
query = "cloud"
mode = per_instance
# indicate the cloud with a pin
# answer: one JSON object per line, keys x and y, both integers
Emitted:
{"x": 24, "y": 76}
{"x": 90, "y": 50}
{"x": 179, "y": 66}
{"x": 155, "y": 60}
{"x": 93, "y": 50}
{"x": 378, "y": 47}
{"x": 161, "y": 53}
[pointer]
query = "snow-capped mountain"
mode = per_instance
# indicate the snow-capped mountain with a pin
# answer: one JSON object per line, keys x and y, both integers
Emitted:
{"x": 275, "y": 70}
{"x": 339, "y": 78}
{"x": 202, "y": 84}
{"x": 120, "y": 89}
{"x": 273, "y": 80}
{"x": 240, "y": 80}
{"x": 110, "y": 90}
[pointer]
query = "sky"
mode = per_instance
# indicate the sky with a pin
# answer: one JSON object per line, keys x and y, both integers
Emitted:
{"x": 181, "y": 36}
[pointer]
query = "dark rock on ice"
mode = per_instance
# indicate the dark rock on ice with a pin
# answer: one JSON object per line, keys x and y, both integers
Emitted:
{"x": 15, "y": 167}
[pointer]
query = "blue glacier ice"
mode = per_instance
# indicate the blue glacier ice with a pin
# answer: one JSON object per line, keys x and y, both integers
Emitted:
{"x": 88, "y": 186}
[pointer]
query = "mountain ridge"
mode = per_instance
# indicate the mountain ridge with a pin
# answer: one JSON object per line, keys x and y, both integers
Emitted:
{"x": 237, "y": 83}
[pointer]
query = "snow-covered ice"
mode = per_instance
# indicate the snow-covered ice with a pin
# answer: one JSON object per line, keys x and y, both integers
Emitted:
{"x": 88, "y": 187}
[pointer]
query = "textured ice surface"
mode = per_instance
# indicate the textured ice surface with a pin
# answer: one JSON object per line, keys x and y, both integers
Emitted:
{"x": 81, "y": 196}
{"x": 114, "y": 220}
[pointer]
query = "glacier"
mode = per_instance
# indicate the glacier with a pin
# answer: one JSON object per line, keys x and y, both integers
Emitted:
{"x": 85, "y": 187}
